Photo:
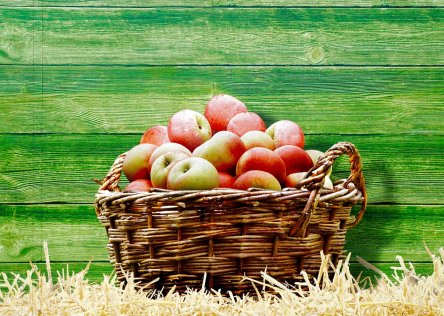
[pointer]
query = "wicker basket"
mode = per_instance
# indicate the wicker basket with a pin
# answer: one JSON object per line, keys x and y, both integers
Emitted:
{"x": 178, "y": 236}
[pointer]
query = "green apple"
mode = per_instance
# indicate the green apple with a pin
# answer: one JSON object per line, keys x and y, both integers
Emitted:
{"x": 163, "y": 165}
{"x": 258, "y": 139}
{"x": 193, "y": 173}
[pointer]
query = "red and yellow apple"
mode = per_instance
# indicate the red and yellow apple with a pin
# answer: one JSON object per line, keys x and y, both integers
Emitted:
{"x": 139, "y": 185}
{"x": 226, "y": 180}
{"x": 223, "y": 150}
{"x": 245, "y": 122}
{"x": 257, "y": 179}
{"x": 162, "y": 166}
{"x": 286, "y": 132}
{"x": 136, "y": 163}
{"x": 220, "y": 109}
{"x": 193, "y": 173}
{"x": 264, "y": 159}
{"x": 253, "y": 139}
{"x": 189, "y": 128}
{"x": 156, "y": 135}
{"x": 295, "y": 158}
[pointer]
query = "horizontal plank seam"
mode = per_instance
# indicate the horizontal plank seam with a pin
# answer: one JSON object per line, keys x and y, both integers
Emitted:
{"x": 366, "y": 66}
{"x": 227, "y": 7}
{"x": 107, "y": 262}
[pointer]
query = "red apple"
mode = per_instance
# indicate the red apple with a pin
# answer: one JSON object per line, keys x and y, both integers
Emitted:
{"x": 136, "y": 163}
{"x": 257, "y": 179}
{"x": 295, "y": 158}
{"x": 193, "y": 173}
{"x": 286, "y": 132}
{"x": 189, "y": 128}
{"x": 253, "y": 139}
{"x": 165, "y": 148}
{"x": 220, "y": 109}
{"x": 264, "y": 159}
{"x": 156, "y": 135}
{"x": 226, "y": 180}
{"x": 223, "y": 150}
{"x": 294, "y": 178}
{"x": 245, "y": 122}
{"x": 162, "y": 166}
{"x": 139, "y": 185}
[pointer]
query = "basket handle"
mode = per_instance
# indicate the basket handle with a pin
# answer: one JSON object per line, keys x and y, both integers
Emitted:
{"x": 111, "y": 180}
{"x": 315, "y": 178}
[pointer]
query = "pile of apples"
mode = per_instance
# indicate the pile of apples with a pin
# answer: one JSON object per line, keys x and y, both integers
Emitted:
{"x": 225, "y": 147}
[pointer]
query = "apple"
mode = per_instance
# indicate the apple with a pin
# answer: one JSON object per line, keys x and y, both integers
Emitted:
{"x": 226, "y": 180}
{"x": 286, "y": 132}
{"x": 253, "y": 139}
{"x": 136, "y": 163}
{"x": 294, "y": 178}
{"x": 223, "y": 150}
{"x": 193, "y": 173}
{"x": 162, "y": 166}
{"x": 295, "y": 158}
{"x": 264, "y": 159}
{"x": 139, "y": 185}
{"x": 156, "y": 135}
{"x": 165, "y": 148}
{"x": 244, "y": 122}
{"x": 314, "y": 154}
{"x": 189, "y": 128}
{"x": 220, "y": 109}
{"x": 257, "y": 179}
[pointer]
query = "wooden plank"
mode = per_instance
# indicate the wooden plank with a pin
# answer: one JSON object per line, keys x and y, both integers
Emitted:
{"x": 238, "y": 36}
{"x": 74, "y": 234}
{"x": 406, "y": 169}
{"x": 86, "y": 99}
{"x": 222, "y": 3}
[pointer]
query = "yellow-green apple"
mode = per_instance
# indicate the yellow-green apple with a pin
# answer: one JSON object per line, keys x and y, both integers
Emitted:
{"x": 223, "y": 150}
{"x": 286, "y": 132}
{"x": 253, "y": 139}
{"x": 156, "y": 135}
{"x": 294, "y": 178}
{"x": 139, "y": 185}
{"x": 264, "y": 159}
{"x": 189, "y": 128}
{"x": 193, "y": 173}
{"x": 295, "y": 158}
{"x": 136, "y": 163}
{"x": 314, "y": 154}
{"x": 162, "y": 166}
{"x": 167, "y": 147}
{"x": 244, "y": 122}
{"x": 226, "y": 180}
{"x": 220, "y": 109}
{"x": 257, "y": 179}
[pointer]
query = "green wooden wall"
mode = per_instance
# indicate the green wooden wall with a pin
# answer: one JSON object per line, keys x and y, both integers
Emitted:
{"x": 80, "y": 81}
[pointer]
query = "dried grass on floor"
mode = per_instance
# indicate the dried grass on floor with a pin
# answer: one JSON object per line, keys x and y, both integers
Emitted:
{"x": 72, "y": 294}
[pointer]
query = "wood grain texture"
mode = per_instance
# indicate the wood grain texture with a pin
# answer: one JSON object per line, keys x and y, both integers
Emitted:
{"x": 370, "y": 100}
{"x": 253, "y": 36}
{"x": 55, "y": 168}
{"x": 222, "y": 3}
{"x": 59, "y": 168}
{"x": 75, "y": 235}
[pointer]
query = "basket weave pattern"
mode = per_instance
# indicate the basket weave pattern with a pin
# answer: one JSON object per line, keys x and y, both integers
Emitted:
{"x": 178, "y": 236}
